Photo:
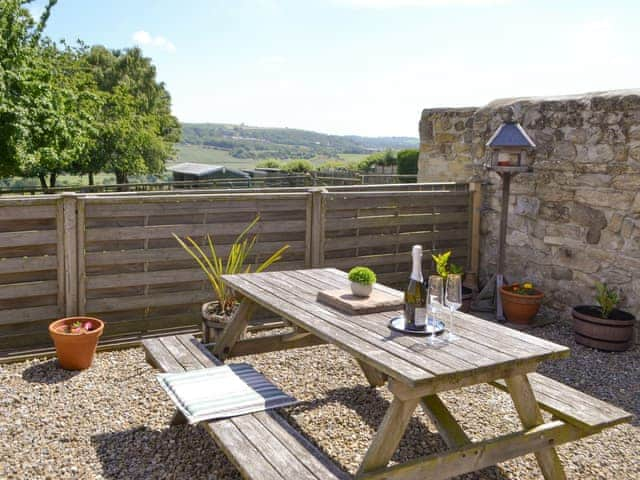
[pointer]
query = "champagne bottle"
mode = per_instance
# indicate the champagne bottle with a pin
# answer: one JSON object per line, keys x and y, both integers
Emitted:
{"x": 415, "y": 295}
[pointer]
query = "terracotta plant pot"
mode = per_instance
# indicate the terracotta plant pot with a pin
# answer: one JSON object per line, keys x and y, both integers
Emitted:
{"x": 360, "y": 290}
{"x": 75, "y": 351}
{"x": 520, "y": 308}
{"x": 613, "y": 334}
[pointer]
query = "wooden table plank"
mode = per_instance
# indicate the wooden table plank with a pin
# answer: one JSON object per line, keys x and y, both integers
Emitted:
{"x": 353, "y": 345}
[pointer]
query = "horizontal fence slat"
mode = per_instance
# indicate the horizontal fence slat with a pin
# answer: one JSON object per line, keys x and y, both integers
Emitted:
{"x": 341, "y": 243}
{"x": 166, "y": 231}
{"x": 384, "y": 259}
{"x": 395, "y": 220}
{"x": 27, "y": 212}
{"x": 213, "y": 206}
{"x": 21, "y": 239}
{"x": 28, "y": 289}
{"x": 28, "y": 264}
{"x": 32, "y": 314}
{"x": 119, "y": 257}
{"x": 144, "y": 301}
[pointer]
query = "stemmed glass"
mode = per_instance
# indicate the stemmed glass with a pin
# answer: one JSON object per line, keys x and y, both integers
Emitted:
{"x": 453, "y": 300}
{"x": 435, "y": 300}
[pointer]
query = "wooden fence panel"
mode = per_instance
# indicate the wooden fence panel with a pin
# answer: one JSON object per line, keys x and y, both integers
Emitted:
{"x": 31, "y": 269}
{"x": 113, "y": 255}
{"x": 136, "y": 277}
{"x": 378, "y": 228}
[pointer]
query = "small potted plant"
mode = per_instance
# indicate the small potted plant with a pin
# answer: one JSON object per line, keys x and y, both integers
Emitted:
{"x": 216, "y": 313}
{"x": 444, "y": 268}
{"x": 75, "y": 339}
{"x": 362, "y": 280}
{"x": 520, "y": 302}
{"x": 603, "y": 326}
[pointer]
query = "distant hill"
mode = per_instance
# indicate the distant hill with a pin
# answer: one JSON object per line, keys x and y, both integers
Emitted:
{"x": 244, "y": 142}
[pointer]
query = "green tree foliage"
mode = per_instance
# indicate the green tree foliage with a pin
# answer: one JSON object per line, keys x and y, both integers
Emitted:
{"x": 74, "y": 109}
{"x": 135, "y": 130}
{"x": 42, "y": 122}
{"x": 299, "y": 166}
{"x": 270, "y": 163}
{"x": 408, "y": 162}
{"x": 386, "y": 158}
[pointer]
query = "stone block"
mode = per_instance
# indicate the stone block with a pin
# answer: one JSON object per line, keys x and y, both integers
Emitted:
{"x": 599, "y": 153}
{"x": 635, "y": 208}
{"x": 566, "y": 230}
{"x": 594, "y": 220}
{"x": 528, "y": 206}
{"x": 554, "y": 211}
{"x": 615, "y": 222}
{"x": 634, "y": 132}
{"x": 593, "y": 180}
{"x": 626, "y": 182}
{"x": 576, "y": 136}
{"x": 634, "y": 152}
{"x": 576, "y": 260}
{"x": 517, "y": 238}
{"x": 446, "y": 137}
{"x": 564, "y": 151}
{"x": 604, "y": 197}
{"x": 561, "y": 273}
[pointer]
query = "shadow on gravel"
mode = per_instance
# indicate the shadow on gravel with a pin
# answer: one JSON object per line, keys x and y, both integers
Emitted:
{"x": 48, "y": 372}
{"x": 180, "y": 452}
{"x": 371, "y": 406}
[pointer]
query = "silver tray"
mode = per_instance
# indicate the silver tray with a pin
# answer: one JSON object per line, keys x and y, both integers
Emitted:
{"x": 398, "y": 324}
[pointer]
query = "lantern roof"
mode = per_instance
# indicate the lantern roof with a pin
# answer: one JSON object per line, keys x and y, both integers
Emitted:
{"x": 510, "y": 134}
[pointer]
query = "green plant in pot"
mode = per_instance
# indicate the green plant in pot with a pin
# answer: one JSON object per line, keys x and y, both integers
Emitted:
{"x": 216, "y": 314}
{"x": 362, "y": 280}
{"x": 444, "y": 268}
{"x": 603, "y": 326}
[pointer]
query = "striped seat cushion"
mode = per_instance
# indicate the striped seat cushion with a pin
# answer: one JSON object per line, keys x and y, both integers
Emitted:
{"x": 221, "y": 392}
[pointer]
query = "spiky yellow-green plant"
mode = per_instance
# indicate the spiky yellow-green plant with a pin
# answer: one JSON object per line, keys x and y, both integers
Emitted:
{"x": 214, "y": 267}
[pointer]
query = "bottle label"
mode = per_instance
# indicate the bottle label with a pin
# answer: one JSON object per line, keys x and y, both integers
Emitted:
{"x": 421, "y": 317}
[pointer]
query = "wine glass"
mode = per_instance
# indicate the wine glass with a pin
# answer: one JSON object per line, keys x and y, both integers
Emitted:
{"x": 435, "y": 300}
{"x": 453, "y": 300}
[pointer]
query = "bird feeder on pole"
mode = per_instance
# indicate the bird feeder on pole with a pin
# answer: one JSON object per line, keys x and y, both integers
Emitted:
{"x": 509, "y": 148}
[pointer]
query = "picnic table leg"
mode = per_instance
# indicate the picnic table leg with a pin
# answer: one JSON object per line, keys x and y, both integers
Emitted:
{"x": 386, "y": 440}
{"x": 374, "y": 377}
{"x": 530, "y": 416}
{"x": 449, "y": 429}
{"x": 234, "y": 330}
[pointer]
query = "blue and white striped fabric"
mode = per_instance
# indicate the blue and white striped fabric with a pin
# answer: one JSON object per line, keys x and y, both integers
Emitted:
{"x": 221, "y": 392}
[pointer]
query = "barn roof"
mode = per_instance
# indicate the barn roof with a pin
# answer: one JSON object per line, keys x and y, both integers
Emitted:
{"x": 201, "y": 169}
{"x": 510, "y": 134}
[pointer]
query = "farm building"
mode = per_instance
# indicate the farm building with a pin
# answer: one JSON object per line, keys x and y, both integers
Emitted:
{"x": 201, "y": 171}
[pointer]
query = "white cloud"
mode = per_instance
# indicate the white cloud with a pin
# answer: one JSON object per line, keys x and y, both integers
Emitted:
{"x": 418, "y": 3}
{"x": 142, "y": 38}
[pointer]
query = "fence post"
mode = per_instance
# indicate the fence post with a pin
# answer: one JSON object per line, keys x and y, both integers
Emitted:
{"x": 475, "y": 201}
{"x": 317, "y": 226}
{"x": 70, "y": 252}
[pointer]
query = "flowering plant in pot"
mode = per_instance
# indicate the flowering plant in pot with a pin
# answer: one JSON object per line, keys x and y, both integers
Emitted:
{"x": 362, "y": 280}
{"x": 444, "y": 268}
{"x": 75, "y": 339}
{"x": 216, "y": 313}
{"x": 521, "y": 302}
{"x": 603, "y": 326}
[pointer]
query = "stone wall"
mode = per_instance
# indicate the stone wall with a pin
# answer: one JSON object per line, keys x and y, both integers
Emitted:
{"x": 576, "y": 219}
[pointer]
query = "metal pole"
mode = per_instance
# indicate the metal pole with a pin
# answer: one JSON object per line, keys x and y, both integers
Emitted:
{"x": 506, "y": 185}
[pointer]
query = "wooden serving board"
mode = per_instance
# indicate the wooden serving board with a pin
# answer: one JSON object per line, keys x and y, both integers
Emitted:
{"x": 344, "y": 300}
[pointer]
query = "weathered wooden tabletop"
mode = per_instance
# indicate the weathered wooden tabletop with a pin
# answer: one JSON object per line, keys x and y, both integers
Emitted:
{"x": 486, "y": 351}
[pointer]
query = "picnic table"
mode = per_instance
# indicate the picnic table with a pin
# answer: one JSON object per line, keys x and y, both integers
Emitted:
{"x": 415, "y": 373}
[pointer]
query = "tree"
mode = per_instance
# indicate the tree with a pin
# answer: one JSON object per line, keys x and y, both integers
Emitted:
{"x": 42, "y": 94}
{"x": 135, "y": 131}
{"x": 408, "y": 162}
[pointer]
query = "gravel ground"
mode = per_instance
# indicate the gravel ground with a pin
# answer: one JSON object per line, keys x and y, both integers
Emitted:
{"x": 110, "y": 422}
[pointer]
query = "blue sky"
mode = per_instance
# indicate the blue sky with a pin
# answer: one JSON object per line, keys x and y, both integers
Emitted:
{"x": 364, "y": 67}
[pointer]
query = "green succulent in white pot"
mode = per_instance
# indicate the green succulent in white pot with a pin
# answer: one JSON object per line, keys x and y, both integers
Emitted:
{"x": 362, "y": 280}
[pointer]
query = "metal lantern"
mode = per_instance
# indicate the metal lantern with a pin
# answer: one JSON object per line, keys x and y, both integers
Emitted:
{"x": 509, "y": 146}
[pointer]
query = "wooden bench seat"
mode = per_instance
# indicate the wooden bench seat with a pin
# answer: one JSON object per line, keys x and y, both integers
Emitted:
{"x": 572, "y": 406}
{"x": 263, "y": 446}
